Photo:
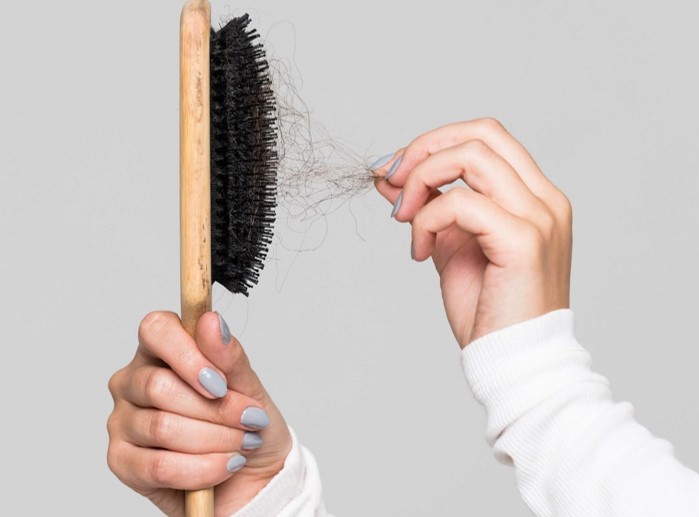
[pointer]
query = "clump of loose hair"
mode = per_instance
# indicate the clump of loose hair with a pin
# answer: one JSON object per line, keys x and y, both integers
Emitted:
{"x": 316, "y": 173}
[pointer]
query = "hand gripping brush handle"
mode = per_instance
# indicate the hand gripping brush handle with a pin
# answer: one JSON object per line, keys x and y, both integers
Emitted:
{"x": 228, "y": 162}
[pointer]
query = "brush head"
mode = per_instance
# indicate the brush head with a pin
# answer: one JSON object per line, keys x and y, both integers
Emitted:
{"x": 243, "y": 156}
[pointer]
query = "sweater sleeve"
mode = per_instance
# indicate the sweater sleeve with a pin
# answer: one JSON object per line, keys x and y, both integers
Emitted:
{"x": 574, "y": 450}
{"x": 295, "y": 491}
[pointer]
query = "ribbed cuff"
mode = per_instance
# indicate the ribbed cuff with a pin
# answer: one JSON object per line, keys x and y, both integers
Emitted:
{"x": 479, "y": 358}
{"x": 510, "y": 370}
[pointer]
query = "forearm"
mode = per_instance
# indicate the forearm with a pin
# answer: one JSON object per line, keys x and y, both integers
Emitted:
{"x": 575, "y": 451}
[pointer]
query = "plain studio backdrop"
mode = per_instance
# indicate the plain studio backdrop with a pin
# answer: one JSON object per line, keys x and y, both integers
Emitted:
{"x": 350, "y": 338}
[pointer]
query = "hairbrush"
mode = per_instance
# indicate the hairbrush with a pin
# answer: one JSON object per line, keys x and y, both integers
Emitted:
{"x": 228, "y": 162}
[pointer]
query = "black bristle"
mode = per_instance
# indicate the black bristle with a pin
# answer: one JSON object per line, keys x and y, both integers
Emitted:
{"x": 243, "y": 156}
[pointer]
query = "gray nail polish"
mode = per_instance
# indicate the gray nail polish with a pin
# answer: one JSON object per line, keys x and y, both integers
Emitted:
{"x": 213, "y": 382}
{"x": 380, "y": 162}
{"x": 251, "y": 441}
{"x": 412, "y": 251}
{"x": 394, "y": 167}
{"x": 225, "y": 331}
{"x": 235, "y": 463}
{"x": 255, "y": 418}
{"x": 396, "y": 207}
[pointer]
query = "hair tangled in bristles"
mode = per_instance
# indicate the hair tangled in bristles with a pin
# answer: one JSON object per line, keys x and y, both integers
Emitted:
{"x": 243, "y": 156}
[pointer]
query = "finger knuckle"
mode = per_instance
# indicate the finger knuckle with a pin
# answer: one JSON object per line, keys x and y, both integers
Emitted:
{"x": 115, "y": 383}
{"x": 492, "y": 125}
{"x": 564, "y": 208}
{"x": 160, "y": 428}
{"x": 421, "y": 142}
{"x": 113, "y": 458}
{"x": 157, "y": 386}
{"x": 160, "y": 470}
{"x": 475, "y": 152}
{"x": 115, "y": 461}
{"x": 153, "y": 323}
{"x": 476, "y": 147}
{"x": 112, "y": 425}
{"x": 456, "y": 198}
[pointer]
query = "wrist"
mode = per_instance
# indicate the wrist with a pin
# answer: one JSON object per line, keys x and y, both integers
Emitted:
{"x": 244, "y": 486}
{"x": 241, "y": 492}
{"x": 273, "y": 495}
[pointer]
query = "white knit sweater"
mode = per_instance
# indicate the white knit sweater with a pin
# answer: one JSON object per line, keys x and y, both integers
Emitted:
{"x": 575, "y": 452}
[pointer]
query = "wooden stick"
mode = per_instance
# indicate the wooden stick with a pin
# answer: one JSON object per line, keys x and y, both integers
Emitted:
{"x": 195, "y": 200}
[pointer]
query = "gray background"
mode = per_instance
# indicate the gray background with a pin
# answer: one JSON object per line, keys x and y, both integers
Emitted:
{"x": 350, "y": 339}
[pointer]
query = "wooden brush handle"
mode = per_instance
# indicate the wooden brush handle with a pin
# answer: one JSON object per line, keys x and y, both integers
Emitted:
{"x": 195, "y": 200}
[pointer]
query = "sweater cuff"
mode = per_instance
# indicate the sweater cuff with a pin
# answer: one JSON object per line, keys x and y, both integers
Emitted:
{"x": 512, "y": 369}
{"x": 282, "y": 489}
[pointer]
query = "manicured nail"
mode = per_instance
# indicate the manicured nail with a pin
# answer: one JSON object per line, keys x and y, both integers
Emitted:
{"x": 225, "y": 331}
{"x": 235, "y": 463}
{"x": 412, "y": 251}
{"x": 251, "y": 441}
{"x": 394, "y": 167}
{"x": 380, "y": 162}
{"x": 213, "y": 382}
{"x": 255, "y": 418}
{"x": 396, "y": 207}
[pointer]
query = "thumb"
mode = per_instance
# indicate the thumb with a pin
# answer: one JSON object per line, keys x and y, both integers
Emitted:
{"x": 226, "y": 353}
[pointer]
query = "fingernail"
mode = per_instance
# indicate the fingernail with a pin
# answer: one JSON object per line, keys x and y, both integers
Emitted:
{"x": 396, "y": 207}
{"x": 394, "y": 167}
{"x": 213, "y": 382}
{"x": 235, "y": 463}
{"x": 381, "y": 162}
{"x": 254, "y": 417}
{"x": 225, "y": 331}
{"x": 251, "y": 441}
{"x": 412, "y": 251}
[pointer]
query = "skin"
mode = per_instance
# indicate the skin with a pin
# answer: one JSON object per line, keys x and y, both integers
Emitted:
{"x": 500, "y": 239}
{"x": 502, "y": 246}
{"x": 168, "y": 434}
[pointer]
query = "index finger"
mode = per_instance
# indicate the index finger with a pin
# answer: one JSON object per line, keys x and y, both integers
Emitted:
{"x": 161, "y": 336}
{"x": 225, "y": 351}
{"x": 492, "y": 133}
